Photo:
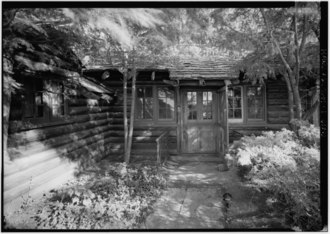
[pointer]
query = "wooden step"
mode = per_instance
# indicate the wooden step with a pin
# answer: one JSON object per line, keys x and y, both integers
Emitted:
{"x": 196, "y": 158}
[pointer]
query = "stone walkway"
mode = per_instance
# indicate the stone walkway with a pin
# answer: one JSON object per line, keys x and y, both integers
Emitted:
{"x": 194, "y": 200}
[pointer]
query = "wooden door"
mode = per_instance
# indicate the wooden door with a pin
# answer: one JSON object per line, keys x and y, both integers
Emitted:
{"x": 199, "y": 123}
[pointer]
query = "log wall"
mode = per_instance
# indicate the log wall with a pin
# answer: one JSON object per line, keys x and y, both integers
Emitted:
{"x": 49, "y": 153}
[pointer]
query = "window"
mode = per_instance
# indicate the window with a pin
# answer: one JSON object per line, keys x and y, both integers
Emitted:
{"x": 255, "y": 103}
{"x": 154, "y": 103}
{"x": 40, "y": 94}
{"x": 235, "y": 107}
{"x": 165, "y": 103}
{"x": 34, "y": 99}
{"x": 246, "y": 104}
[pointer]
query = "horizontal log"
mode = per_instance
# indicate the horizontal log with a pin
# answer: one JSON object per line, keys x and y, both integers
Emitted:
{"x": 275, "y": 114}
{"x": 31, "y": 148}
{"x": 42, "y": 134}
{"x": 277, "y": 101}
{"x": 23, "y": 176}
{"x": 278, "y": 108}
{"x": 86, "y": 109}
{"x": 279, "y": 120}
{"x": 37, "y": 182}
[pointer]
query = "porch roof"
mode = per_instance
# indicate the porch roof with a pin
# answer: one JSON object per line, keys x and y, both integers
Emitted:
{"x": 223, "y": 68}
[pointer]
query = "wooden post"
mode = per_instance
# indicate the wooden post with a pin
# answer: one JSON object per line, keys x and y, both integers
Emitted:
{"x": 131, "y": 126}
{"x": 125, "y": 113}
{"x": 179, "y": 117}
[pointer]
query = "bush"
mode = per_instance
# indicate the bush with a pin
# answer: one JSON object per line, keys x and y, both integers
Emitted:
{"x": 118, "y": 198}
{"x": 285, "y": 165}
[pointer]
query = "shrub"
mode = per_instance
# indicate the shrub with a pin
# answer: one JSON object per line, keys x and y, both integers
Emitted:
{"x": 118, "y": 198}
{"x": 287, "y": 167}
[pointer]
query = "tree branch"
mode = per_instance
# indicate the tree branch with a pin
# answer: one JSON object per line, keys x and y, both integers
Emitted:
{"x": 270, "y": 32}
{"x": 304, "y": 36}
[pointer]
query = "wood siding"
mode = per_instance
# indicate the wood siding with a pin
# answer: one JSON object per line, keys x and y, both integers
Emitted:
{"x": 277, "y": 102}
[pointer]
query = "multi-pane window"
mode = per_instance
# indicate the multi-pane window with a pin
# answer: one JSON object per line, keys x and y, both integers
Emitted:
{"x": 255, "y": 102}
{"x": 165, "y": 103}
{"x": 144, "y": 103}
{"x": 34, "y": 99}
{"x": 235, "y": 103}
{"x": 154, "y": 103}
{"x": 40, "y": 94}
{"x": 207, "y": 105}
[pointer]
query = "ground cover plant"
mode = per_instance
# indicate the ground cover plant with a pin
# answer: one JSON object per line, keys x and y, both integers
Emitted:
{"x": 117, "y": 197}
{"x": 285, "y": 165}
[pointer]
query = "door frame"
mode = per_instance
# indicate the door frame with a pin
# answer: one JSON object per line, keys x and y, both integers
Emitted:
{"x": 181, "y": 121}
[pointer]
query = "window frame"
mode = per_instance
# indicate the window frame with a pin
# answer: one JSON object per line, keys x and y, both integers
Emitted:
{"x": 238, "y": 120}
{"x": 244, "y": 102}
{"x": 34, "y": 105}
{"x": 155, "y": 119}
{"x": 47, "y": 97}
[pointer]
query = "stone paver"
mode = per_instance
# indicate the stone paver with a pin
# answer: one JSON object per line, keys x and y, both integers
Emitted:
{"x": 193, "y": 200}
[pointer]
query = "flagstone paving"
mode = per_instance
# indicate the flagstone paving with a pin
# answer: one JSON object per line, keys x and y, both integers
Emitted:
{"x": 194, "y": 200}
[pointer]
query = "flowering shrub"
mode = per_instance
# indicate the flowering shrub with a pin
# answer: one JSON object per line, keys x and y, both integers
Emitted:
{"x": 118, "y": 198}
{"x": 287, "y": 167}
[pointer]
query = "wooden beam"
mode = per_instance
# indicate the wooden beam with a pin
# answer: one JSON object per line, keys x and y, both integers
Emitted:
{"x": 171, "y": 82}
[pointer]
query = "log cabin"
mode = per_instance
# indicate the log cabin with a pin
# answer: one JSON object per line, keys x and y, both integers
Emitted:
{"x": 64, "y": 118}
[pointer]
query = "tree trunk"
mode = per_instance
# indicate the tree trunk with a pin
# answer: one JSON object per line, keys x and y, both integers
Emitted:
{"x": 314, "y": 110}
{"x": 125, "y": 113}
{"x": 290, "y": 97}
{"x": 297, "y": 100}
{"x": 131, "y": 126}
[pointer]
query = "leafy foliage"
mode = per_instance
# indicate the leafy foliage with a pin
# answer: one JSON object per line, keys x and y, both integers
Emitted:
{"x": 287, "y": 167}
{"x": 117, "y": 198}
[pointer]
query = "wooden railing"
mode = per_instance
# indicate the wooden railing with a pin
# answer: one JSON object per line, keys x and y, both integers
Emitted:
{"x": 162, "y": 148}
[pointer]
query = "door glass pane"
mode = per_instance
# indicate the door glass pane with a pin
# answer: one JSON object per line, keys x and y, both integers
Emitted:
{"x": 192, "y": 105}
{"x": 207, "y": 105}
